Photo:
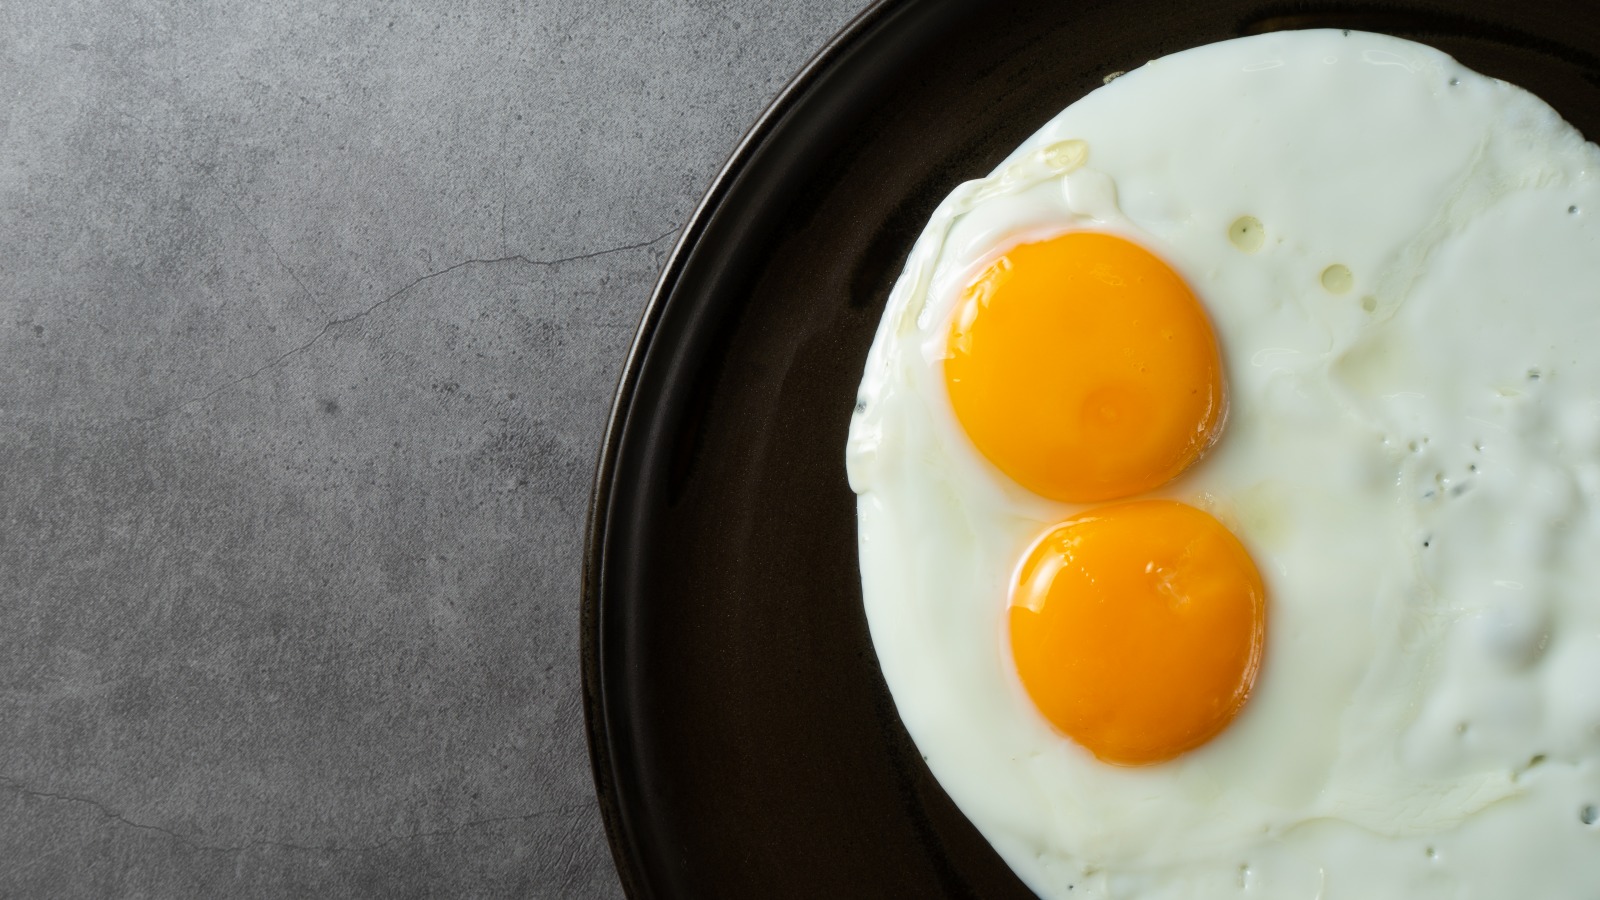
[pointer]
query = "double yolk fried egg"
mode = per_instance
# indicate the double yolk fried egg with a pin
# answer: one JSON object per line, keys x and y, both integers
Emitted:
{"x": 1228, "y": 466}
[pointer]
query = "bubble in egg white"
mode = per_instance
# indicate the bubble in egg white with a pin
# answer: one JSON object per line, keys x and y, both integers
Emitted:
{"x": 1336, "y": 279}
{"x": 1247, "y": 234}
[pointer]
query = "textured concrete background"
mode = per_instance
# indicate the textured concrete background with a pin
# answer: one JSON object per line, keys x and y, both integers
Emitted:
{"x": 310, "y": 316}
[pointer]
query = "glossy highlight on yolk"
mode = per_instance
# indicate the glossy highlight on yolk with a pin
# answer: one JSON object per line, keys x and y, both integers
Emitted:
{"x": 1137, "y": 629}
{"x": 1084, "y": 368}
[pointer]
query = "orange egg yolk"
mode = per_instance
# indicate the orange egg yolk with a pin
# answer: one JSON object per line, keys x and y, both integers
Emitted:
{"x": 1084, "y": 368}
{"x": 1137, "y": 629}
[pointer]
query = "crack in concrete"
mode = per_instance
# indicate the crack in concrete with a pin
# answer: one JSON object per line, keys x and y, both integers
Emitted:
{"x": 18, "y": 787}
{"x": 281, "y": 358}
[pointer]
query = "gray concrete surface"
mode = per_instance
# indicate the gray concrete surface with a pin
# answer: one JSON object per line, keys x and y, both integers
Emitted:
{"x": 310, "y": 316}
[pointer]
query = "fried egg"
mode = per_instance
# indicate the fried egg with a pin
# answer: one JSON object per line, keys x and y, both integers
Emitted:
{"x": 1228, "y": 463}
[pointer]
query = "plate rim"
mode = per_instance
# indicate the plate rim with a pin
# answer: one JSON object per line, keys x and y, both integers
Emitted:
{"x": 602, "y": 759}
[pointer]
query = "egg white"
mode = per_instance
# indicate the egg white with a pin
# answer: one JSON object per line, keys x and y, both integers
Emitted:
{"x": 1413, "y": 462}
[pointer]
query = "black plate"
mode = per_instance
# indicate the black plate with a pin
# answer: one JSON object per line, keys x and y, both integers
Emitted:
{"x": 743, "y": 741}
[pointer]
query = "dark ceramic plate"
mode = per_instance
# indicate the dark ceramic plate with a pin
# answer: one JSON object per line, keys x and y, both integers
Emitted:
{"x": 743, "y": 741}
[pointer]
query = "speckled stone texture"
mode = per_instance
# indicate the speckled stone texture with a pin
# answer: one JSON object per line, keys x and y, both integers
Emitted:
{"x": 310, "y": 318}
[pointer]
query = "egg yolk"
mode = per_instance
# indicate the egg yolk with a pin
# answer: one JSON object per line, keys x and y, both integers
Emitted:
{"x": 1137, "y": 629}
{"x": 1084, "y": 368}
